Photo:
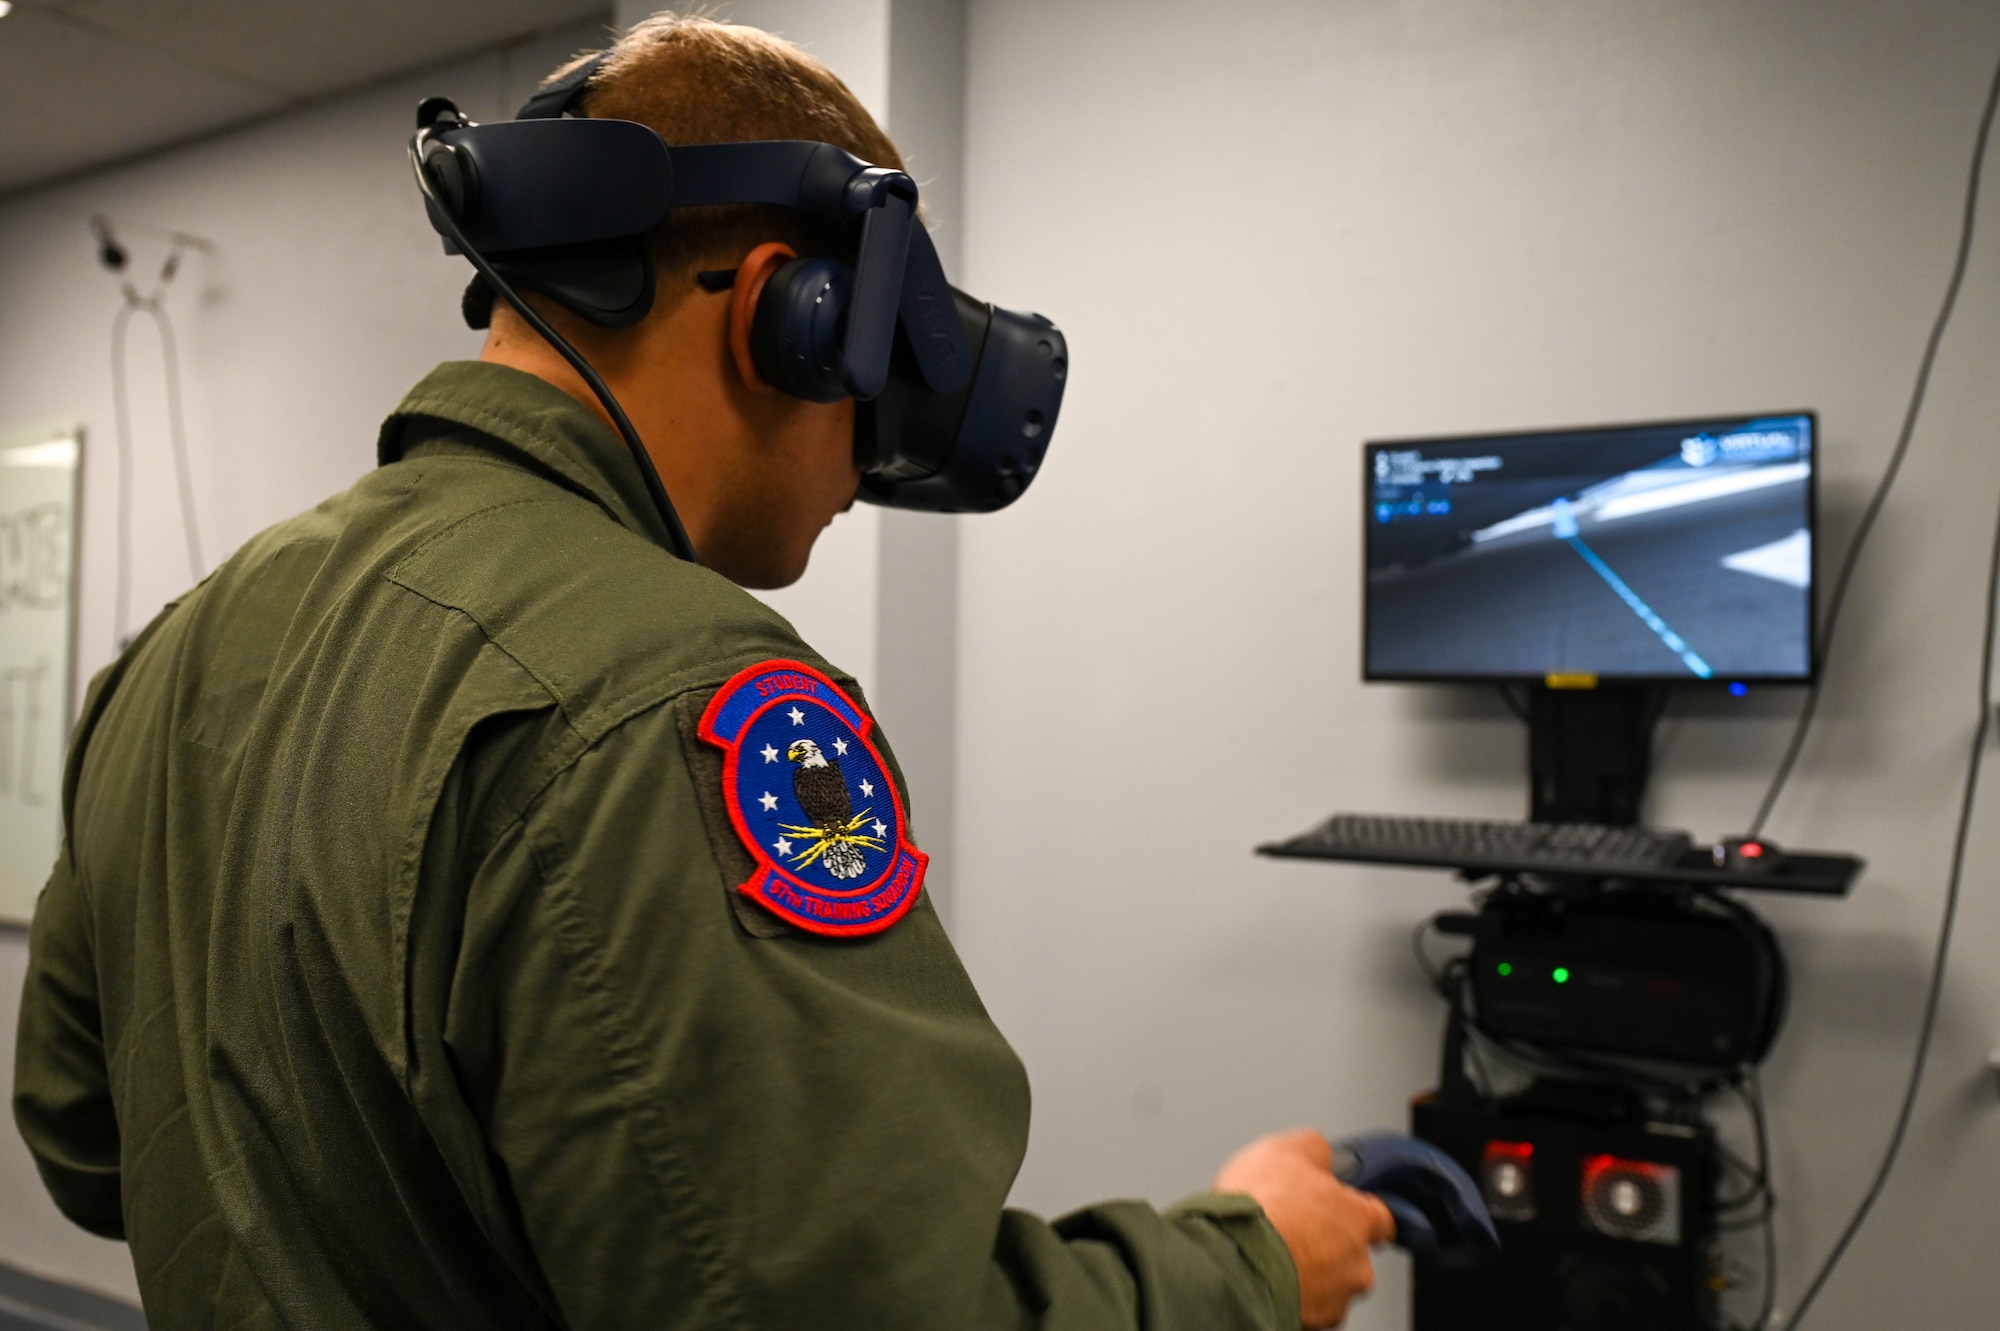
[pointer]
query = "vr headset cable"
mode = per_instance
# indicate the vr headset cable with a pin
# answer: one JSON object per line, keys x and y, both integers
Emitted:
{"x": 677, "y": 536}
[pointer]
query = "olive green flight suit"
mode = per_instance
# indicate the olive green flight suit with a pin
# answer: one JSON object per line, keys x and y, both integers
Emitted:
{"x": 393, "y": 973}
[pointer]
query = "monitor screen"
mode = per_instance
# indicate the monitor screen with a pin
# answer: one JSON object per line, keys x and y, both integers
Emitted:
{"x": 1666, "y": 552}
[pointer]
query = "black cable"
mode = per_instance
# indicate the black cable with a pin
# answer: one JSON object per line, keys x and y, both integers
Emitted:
{"x": 1750, "y": 1090}
{"x": 677, "y": 537}
{"x": 1436, "y": 975}
{"x": 1753, "y": 1192}
{"x": 1967, "y": 802}
{"x": 1753, "y": 1096}
{"x": 1477, "y": 1055}
{"x": 1610, "y": 1068}
{"x": 1451, "y": 981}
{"x": 1456, "y": 985}
{"x": 1866, "y": 527}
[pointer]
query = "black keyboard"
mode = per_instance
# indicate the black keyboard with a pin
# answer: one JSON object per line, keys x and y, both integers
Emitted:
{"x": 1470, "y": 843}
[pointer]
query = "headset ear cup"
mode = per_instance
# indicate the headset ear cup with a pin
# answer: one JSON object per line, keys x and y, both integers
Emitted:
{"x": 799, "y": 327}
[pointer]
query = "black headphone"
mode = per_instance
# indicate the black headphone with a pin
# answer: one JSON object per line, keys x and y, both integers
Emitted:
{"x": 801, "y": 322}
{"x": 956, "y": 398}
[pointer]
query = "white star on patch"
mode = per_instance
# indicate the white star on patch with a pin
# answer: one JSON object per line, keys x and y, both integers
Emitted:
{"x": 770, "y": 754}
{"x": 840, "y": 747}
{"x": 867, "y": 788}
{"x": 769, "y": 801}
{"x": 798, "y": 717}
{"x": 784, "y": 846}
{"x": 881, "y": 828}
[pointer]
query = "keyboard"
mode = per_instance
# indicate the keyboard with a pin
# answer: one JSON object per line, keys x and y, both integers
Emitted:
{"x": 1493, "y": 846}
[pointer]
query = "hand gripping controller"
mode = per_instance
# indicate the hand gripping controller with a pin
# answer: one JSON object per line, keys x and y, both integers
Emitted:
{"x": 1437, "y": 1206}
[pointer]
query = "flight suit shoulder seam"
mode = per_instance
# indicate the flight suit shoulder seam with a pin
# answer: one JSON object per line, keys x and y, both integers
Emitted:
{"x": 395, "y": 576}
{"x": 663, "y": 692}
{"x": 606, "y": 717}
{"x": 395, "y": 571}
{"x": 670, "y": 691}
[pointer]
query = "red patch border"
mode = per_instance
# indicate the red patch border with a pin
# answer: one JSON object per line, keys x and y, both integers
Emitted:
{"x": 757, "y": 886}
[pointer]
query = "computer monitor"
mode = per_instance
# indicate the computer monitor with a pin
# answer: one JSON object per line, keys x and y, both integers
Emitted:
{"x": 1672, "y": 552}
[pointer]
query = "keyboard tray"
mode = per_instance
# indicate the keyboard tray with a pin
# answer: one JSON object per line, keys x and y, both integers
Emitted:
{"x": 1816, "y": 873}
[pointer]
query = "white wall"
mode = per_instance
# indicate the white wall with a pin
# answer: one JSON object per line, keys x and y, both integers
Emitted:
{"x": 1273, "y": 231}
{"x": 325, "y": 299}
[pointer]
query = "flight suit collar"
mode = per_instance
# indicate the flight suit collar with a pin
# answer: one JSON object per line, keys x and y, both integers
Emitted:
{"x": 533, "y": 417}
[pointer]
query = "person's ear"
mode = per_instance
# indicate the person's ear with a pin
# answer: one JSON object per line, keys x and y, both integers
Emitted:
{"x": 752, "y": 274}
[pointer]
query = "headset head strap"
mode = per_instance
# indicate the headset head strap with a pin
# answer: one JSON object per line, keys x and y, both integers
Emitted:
{"x": 564, "y": 95}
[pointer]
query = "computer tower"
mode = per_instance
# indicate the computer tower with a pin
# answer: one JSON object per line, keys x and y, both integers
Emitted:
{"x": 1607, "y": 1222}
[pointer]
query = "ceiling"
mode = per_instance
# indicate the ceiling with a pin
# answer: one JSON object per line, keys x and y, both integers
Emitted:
{"x": 87, "y": 82}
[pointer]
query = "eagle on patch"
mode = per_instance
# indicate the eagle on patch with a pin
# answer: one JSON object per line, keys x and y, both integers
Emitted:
{"x": 832, "y": 851}
{"x": 821, "y": 790}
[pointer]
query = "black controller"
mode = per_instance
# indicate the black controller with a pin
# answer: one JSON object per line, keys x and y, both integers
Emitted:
{"x": 1437, "y": 1206}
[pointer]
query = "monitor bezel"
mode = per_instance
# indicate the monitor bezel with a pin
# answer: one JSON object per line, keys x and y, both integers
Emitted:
{"x": 1813, "y": 664}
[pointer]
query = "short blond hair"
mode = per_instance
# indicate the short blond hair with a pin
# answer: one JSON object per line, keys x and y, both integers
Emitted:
{"x": 691, "y": 78}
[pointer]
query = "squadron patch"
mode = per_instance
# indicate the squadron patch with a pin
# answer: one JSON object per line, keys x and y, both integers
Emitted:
{"x": 812, "y": 801}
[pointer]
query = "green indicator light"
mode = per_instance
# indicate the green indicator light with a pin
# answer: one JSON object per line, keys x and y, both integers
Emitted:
{"x": 1562, "y": 975}
{"x": 1506, "y": 968}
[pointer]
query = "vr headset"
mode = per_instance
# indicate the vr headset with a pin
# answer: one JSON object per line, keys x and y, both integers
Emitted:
{"x": 955, "y": 398}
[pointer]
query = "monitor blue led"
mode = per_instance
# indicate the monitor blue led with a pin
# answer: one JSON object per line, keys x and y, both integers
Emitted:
{"x": 1677, "y": 551}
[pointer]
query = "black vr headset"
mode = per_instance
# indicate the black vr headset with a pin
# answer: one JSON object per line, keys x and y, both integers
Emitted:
{"x": 955, "y": 398}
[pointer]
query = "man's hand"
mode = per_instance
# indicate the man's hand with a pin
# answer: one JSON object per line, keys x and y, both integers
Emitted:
{"x": 1327, "y": 1225}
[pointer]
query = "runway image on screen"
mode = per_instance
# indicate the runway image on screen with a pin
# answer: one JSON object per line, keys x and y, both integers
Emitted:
{"x": 1643, "y": 552}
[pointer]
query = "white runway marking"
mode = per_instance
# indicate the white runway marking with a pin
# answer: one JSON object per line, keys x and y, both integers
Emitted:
{"x": 1646, "y": 491}
{"x": 1788, "y": 561}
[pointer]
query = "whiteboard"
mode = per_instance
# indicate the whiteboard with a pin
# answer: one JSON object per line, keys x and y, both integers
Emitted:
{"x": 39, "y": 470}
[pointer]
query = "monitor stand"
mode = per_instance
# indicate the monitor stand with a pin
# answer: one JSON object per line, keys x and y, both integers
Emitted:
{"x": 1589, "y": 751}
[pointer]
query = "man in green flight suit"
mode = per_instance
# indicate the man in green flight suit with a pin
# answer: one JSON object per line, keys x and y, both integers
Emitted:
{"x": 395, "y": 971}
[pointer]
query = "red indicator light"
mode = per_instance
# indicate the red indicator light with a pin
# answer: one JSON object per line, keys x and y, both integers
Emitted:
{"x": 1750, "y": 850}
{"x": 1507, "y": 1179}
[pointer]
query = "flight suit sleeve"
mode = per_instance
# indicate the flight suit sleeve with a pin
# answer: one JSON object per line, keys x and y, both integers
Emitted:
{"x": 709, "y": 1119}
{"x": 62, "y": 1090}
{"x": 63, "y": 1103}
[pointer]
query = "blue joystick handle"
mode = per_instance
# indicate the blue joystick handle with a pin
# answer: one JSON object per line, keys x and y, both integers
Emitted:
{"x": 1437, "y": 1206}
